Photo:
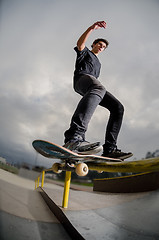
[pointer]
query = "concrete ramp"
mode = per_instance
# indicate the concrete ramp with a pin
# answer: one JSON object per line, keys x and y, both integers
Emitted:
{"x": 94, "y": 215}
{"x": 128, "y": 184}
{"x": 112, "y": 216}
{"x": 23, "y": 212}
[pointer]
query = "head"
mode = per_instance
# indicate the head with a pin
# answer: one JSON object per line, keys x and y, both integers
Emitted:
{"x": 99, "y": 45}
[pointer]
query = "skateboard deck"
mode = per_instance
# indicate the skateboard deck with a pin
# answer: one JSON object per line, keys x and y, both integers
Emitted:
{"x": 52, "y": 150}
{"x": 81, "y": 163}
{"x": 69, "y": 158}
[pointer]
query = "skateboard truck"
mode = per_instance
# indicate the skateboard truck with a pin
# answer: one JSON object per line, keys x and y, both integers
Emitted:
{"x": 81, "y": 169}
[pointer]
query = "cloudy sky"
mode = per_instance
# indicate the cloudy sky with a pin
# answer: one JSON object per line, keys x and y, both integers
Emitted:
{"x": 37, "y": 63}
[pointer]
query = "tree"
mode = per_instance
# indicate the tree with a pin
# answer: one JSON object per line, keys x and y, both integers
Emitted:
{"x": 152, "y": 154}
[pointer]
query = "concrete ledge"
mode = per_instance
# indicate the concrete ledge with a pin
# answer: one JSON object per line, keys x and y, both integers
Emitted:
{"x": 128, "y": 184}
{"x": 70, "y": 229}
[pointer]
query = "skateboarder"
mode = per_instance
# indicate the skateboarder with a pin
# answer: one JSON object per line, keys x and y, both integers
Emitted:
{"x": 86, "y": 83}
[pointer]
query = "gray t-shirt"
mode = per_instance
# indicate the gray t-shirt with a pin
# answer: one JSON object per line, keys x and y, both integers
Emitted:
{"x": 86, "y": 63}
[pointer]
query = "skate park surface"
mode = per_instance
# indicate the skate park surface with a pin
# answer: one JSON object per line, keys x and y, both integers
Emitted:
{"x": 29, "y": 214}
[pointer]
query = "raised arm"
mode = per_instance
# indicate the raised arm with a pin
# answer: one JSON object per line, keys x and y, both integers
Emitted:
{"x": 82, "y": 40}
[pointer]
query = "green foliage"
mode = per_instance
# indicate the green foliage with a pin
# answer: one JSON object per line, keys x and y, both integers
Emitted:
{"x": 8, "y": 168}
{"x": 152, "y": 154}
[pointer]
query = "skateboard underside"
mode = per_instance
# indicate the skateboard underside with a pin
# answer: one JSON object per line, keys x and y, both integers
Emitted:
{"x": 81, "y": 163}
{"x": 71, "y": 161}
{"x": 55, "y": 151}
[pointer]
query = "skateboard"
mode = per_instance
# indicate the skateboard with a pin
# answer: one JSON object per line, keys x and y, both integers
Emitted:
{"x": 71, "y": 161}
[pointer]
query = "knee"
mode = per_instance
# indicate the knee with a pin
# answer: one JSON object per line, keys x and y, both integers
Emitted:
{"x": 120, "y": 108}
{"x": 117, "y": 109}
{"x": 99, "y": 90}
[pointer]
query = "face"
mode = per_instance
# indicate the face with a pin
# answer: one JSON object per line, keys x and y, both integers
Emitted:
{"x": 98, "y": 47}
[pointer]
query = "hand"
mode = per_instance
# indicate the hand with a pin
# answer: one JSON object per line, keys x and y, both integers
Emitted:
{"x": 97, "y": 25}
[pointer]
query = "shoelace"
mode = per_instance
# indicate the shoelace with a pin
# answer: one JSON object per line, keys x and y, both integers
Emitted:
{"x": 117, "y": 150}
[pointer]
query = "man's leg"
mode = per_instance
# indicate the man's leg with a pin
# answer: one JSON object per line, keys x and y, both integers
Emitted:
{"x": 93, "y": 92}
{"x": 115, "y": 119}
{"x": 113, "y": 127}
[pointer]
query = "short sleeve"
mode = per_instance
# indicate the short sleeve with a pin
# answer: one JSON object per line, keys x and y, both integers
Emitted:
{"x": 81, "y": 52}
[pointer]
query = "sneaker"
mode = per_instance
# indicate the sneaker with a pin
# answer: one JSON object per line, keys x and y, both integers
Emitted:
{"x": 83, "y": 147}
{"x": 72, "y": 144}
{"x": 116, "y": 153}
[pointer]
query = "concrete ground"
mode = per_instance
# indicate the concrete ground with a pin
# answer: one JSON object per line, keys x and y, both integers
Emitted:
{"x": 111, "y": 216}
{"x": 23, "y": 212}
{"x": 25, "y": 215}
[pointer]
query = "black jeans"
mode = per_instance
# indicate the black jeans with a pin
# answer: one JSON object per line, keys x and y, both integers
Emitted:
{"x": 94, "y": 94}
